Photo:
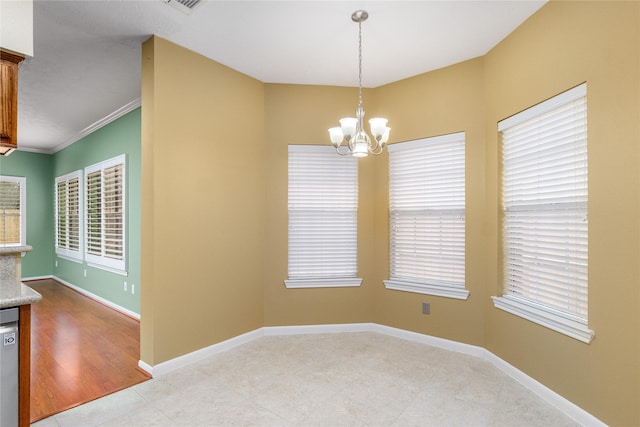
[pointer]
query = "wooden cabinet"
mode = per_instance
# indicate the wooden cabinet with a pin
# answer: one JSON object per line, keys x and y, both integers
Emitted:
{"x": 9, "y": 63}
{"x": 24, "y": 369}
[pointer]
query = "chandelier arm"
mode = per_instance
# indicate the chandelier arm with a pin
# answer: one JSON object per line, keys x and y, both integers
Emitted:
{"x": 343, "y": 153}
{"x": 376, "y": 149}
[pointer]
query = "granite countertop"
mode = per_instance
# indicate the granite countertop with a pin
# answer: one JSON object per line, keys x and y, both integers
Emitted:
{"x": 14, "y": 293}
{"x": 8, "y": 250}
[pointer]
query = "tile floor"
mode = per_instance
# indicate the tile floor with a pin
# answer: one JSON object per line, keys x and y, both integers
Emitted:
{"x": 342, "y": 379}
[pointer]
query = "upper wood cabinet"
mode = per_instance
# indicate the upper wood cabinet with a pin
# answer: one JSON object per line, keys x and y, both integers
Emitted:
{"x": 9, "y": 63}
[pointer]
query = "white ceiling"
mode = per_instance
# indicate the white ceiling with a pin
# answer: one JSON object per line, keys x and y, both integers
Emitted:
{"x": 87, "y": 61}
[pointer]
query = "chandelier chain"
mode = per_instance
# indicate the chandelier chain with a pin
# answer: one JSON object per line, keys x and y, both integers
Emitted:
{"x": 360, "y": 64}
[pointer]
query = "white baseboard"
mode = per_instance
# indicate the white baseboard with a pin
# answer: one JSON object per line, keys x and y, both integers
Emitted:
{"x": 575, "y": 412}
{"x": 145, "y": 367}
{"x": 97, "y": 298}
{"x": 581, "y": 416}
{"x": 458, "y": 347}
{"x": 28, "y": 279}
{"x": 195, "y": 356}
{"x": 317, "y": 329}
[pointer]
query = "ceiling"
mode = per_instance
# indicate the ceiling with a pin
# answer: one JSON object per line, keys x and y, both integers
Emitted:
{"x": 87, "y": 54}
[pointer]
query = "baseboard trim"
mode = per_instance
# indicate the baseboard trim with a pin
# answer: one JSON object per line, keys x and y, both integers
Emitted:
{"x": 456, "y": 346}
{"x": 31, "y": 279}
{"x": 317, "y": 329}
{"x": 195, "y": 356}
{"x": 97, "y": 298}
{"x": 570, "y": 409}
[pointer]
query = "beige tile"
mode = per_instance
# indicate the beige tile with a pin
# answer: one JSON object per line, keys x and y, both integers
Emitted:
{"x": 146, "y": 415}
{"x": 100, "y": 410}
{"x": 343, "y": 379}
{"x": 47, "y": 422}
{"x": 443, "y": 410}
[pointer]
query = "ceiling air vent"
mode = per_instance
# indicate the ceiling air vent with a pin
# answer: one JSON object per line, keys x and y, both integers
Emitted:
{"x": 185, "y": 6}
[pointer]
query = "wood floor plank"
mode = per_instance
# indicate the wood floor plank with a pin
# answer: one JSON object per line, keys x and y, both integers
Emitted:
{"x": 80, "y": 350}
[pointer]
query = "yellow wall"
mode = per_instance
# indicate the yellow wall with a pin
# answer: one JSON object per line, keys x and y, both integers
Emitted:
{"x": 302, "y": 115}
{"x": 203, "y": 202}
{"x": 561, "y": 46}
{"x": 215, "y": 255}
{"x": 442, "y": 102}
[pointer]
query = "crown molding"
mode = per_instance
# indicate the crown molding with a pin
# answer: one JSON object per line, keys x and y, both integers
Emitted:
{"x": 125, "y": 109}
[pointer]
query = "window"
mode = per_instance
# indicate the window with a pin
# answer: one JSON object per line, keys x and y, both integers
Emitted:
{"x": 13, "y": 224}
{"x": 427, "y": 216}
{"x": 68, "y": 215}
{"x": 323, "y": 213}
{"x": 544, "y": 225}
{"x": 105, "y": 215}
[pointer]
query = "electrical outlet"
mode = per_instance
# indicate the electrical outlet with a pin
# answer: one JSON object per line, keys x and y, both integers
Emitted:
{"x": 125, "y": 286}
{"x": 56, "y": 263}
{"x": 85, "y": 272}
{"x": 133, "y": 289}
{"x": 426, "y": 308}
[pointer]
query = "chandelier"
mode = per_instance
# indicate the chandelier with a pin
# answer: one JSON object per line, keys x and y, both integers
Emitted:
{"x": 359, "y": 144}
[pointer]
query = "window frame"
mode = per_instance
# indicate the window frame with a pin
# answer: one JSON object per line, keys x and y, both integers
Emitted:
{"x": 66, "y": 253}
{"x": 343, "y": 278}
{"x": 565, "y": 322}
{"x": 22, "y": 181}
{"x": 450, "y": 287}
{"x": 101, "y": 261}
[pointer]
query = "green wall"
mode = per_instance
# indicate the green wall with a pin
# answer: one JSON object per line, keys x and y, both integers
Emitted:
{"x": 119, "y": 137}
{"x": 38, "y": 169}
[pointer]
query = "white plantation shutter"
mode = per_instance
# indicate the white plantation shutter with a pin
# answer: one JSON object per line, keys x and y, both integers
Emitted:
{"x": 113, "y": 208}
{"x": 94, "y": 213}
{"x": 12, "y": 211}
{"x": 427, "y": 216}
{"x": 323, "y": 210}
{"x": 68, "y": 211}
{"x": 105, "y": 214}
{"x": 545, "y": 226}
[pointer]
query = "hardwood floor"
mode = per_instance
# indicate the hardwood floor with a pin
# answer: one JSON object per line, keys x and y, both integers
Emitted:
{"x": 80, "y": 350}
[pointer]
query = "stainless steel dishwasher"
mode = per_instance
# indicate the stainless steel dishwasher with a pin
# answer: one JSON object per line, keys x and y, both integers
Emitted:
{"x": 9, "y": 334}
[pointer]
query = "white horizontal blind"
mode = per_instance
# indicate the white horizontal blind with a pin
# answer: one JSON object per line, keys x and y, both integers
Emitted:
{"x": 427, "y": 211}
{"x": 545, "y": 197}
{"x": 323, "y": 210}
{"x": 105, "y": 214}
{"x": 68, "y": 211}
{"x": 12, "y": 211}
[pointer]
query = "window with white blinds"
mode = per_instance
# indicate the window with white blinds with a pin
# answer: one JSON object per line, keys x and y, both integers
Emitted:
{"x": 105, "y": 215}
{"x": 427, "y": 216}
{"x": 68, "y": 201}
{"x": 323, "y": 218}
{"x": 13, "y": 209}
{"x": 545, "y": 226}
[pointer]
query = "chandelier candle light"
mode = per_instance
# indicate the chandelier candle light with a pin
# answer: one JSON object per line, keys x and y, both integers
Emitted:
{"x": 358, "y": 142}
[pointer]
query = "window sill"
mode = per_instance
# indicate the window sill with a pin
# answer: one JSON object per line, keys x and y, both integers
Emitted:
{"x": 323, "y": 283}
{"x": 70, "y": 258}
{"x": 427, "y": 289}
{"x": 549, "y": 318}
{"x": 107, "y": 268}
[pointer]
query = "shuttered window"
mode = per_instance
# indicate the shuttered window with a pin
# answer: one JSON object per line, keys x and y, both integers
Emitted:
{"x": 427, "y": 216}
{"x": 323, "y": 211}
{"x": 545, "y": 217}
{"x": 13, "y": 211}
{"x": 68, "y": 207}
{"x": 105, "y": 215}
